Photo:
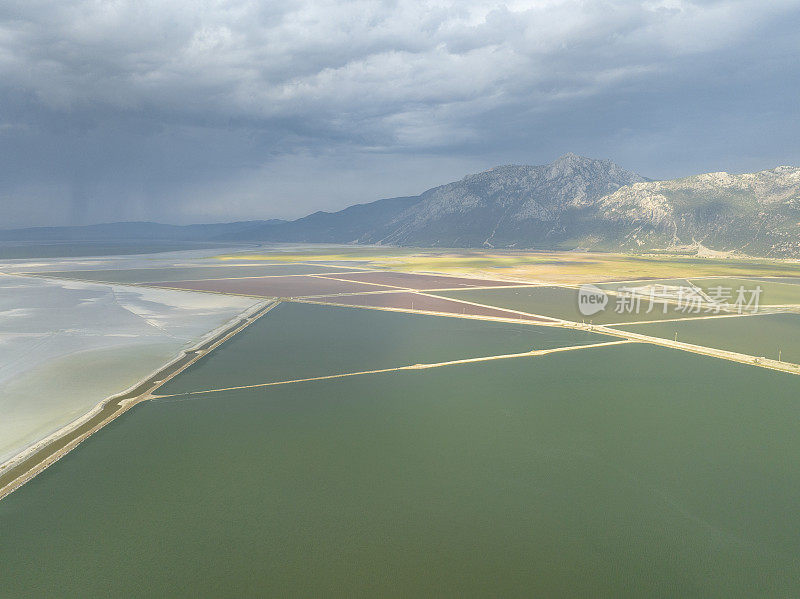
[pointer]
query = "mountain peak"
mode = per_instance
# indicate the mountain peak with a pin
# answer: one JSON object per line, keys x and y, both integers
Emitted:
{"x": 589, "y": 171}
{"x": 576, "y": 201}
{"x": 570, "y": 157}
{"x": 563, "y": 166}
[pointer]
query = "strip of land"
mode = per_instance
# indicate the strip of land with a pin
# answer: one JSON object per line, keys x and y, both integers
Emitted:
{"x": 528, "y": 354}
{"x": 765, "y": 312}
{"x": 35, "y": 459}
{"x": 421, "y": 303}
{"x": 539, "y": 320}
{"x": 368, "y": 289}
{"x": 789, "y": 367}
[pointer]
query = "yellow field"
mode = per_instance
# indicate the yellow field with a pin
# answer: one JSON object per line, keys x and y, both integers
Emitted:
{"x": 550, "y": 267}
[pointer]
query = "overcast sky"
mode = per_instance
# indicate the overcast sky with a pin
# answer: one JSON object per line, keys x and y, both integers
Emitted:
{"x": 202, "y": 110}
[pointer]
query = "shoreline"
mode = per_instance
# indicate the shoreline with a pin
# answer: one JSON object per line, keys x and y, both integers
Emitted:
{"x": 26, "y": 464}
{"x": 61, "y": 430}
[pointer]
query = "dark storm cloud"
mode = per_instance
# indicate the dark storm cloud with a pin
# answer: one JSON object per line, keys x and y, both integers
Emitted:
{"x": 185, "y": 111}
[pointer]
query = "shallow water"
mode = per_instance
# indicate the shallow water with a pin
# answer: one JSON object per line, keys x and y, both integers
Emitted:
{"x": 65, "y": 346}
{"x": 562, "y": 302}
{"x": 49, "y": 395}
{"x": 763, "y": 335}
{"x": 622, "y": 471}
{"x": 13, "y": 250}
{"x": 771, "y": 292}
{"x": 218, "y": 271}
{"x": 306, "y": 340}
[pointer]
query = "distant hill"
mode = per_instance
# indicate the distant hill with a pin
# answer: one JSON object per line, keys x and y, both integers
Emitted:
{"x": 132, "y": 231}
{"x": 572, "y": 203}
{"x": 756, "y": 214}
{"x": 576, "y": 203}
{"x": 351, "y": 225}
{"x": 507, "y": 206}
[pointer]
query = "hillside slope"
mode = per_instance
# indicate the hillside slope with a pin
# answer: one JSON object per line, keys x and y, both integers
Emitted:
{"x": 507, "y": 206}
{"x": 572, "y": 203}
{"x": 755, "y": 213}
{"x": 576, "y": 202}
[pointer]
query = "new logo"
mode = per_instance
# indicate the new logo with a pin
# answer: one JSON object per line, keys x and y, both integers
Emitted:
{"x": 591, "y": 299}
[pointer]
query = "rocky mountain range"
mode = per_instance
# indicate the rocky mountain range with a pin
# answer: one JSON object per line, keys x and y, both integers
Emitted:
{"x": 572, "y": 203}
{"x": 506, "y": 206}
{"x": 753, "y": 214}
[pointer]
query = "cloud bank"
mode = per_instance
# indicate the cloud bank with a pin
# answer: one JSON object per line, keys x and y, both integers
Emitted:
{"x": 199, "y": 111}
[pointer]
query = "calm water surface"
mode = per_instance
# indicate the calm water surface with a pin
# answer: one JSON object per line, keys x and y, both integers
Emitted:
{"x": 623, "y": 471}
{"x": 306, "y": 340}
